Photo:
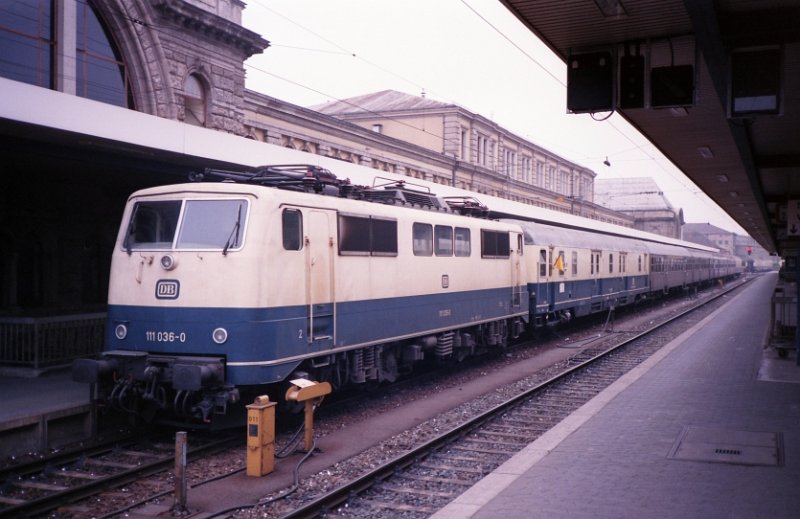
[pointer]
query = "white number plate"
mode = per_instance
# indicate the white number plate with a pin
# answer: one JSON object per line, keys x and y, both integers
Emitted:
{"x": 153, "y": 336}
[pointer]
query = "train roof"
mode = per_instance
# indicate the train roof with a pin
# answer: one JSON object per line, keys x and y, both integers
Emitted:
{"x": 250, "y": 154}
{"x": 549, "y": 235}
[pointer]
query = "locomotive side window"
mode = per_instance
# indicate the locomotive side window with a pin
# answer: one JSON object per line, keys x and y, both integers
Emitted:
{"x": 495, "y": 244}
{"x": 364, "y": 236}
{"x": 463, "y": 245}
{"x": 292, "y": 223}
{"x": 422, "y": 236}
{"x": 383, "y": 237}
{"x": 212, "y": 224}
{"x": 152, "y": 225}
{"x": 353, "y": 235}
{"x": 443, "y": 236}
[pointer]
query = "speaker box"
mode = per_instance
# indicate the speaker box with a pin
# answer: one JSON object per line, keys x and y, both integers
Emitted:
{"x": 590, "y": 82}
{"x": 672, "y": 86}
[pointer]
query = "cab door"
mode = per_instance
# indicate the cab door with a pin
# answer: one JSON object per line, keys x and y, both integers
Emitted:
{"x": 320, "y": 277}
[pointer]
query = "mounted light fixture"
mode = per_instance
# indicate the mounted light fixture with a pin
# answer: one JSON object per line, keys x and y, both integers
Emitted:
{"x": 705, "y": 152}
{"x": 607, "y": 163}
{"x": 611, "y": 8}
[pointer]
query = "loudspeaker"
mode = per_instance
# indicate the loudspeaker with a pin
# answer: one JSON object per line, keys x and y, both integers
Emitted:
{"x": 672, "y": 86}
{"x": 631, "y": 82}
{"x": 590, "y": 82}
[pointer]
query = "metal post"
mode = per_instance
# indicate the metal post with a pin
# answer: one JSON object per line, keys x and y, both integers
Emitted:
{"x": 794, "y": 298}
{"x": 180, "y": 472}
{"x": 308, "y": 438}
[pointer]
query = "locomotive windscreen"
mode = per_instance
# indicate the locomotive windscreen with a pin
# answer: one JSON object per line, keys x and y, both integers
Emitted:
{"x": 204, "y": 224}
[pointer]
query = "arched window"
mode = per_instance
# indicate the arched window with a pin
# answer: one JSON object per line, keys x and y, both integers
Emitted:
{"x": 100, "y": 72}
{"x": 92, "y": 68}
{"x": 26, "y": 41}
{"x": 194, "y": 98}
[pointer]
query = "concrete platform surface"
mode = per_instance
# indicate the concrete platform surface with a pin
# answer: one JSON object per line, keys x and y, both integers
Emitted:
{"x": 709, "y": 428}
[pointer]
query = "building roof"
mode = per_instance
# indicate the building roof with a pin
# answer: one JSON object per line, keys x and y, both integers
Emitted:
{"x": 630, "y": 194}
{"x": 384, "y": 101}
{"x": 704, "y": 229}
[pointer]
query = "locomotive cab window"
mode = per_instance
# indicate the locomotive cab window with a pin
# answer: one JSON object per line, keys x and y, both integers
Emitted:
{"x": 204, "y": 225}
{"x": 152, "y": 225}
{"x": 212, "y": 224}
{"x": 292, "y": 227}
{"x": 495, "y": 244}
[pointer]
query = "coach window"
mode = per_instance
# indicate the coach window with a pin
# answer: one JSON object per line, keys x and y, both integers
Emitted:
{"x": 640, "y": 262}
{"x": 574, "y": 263}
{"x": 559, "y": 264}
{"x": 595, "y": 263}
{"x": 542, "y": 263}
{"x": 443, "y": 236}
{"x": 423, "y": 239}
{"x": 622, "y": 264}
{"x": 463, "y": 247}
{"x": 495, "y": 244}
{"x": 292, "y": 220}
{"x": 610, "y": 263}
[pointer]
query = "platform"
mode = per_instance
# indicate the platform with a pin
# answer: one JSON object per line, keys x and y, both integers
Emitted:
{"x": 42, "y": 412}
{"x": 710, "y": 427}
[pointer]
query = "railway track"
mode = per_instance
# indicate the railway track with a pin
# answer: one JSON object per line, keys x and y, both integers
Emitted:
{"x": 426, "y": 478}
{"x": 416, "y": 484}
{"x": 40, "y": 486}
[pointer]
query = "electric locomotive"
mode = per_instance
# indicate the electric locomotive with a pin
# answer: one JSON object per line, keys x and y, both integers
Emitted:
{"x": 221, "y": 291}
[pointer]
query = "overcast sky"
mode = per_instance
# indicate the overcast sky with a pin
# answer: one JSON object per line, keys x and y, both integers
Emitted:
{"x": 472, "y": 53}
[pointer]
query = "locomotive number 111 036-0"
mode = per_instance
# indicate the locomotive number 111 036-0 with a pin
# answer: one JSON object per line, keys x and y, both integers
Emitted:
{"x": 154, "y": 336}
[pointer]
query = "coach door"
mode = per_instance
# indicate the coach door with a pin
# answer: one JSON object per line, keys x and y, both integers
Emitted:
{"x": 516, "y": 266}
{"x": 320, "y": 292}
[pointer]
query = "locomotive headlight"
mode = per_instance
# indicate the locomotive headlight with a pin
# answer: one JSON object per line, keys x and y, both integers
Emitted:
{"x": 220, "y": 335}
{"x": 120, "y": 331}
{"x": 168, "y": 262}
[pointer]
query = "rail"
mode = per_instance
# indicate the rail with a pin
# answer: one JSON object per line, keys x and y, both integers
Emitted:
{"x": 38, "y": 342}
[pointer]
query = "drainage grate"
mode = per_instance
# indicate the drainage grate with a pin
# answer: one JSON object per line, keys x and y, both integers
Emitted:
{"x": 719, "y": 445}
{"x": 727, "y": 451}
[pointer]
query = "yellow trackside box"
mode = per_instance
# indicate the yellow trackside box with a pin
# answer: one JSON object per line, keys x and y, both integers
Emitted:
{"x": 260, "y": 437}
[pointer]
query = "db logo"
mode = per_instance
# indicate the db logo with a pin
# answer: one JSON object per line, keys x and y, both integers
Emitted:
{"x": 168, "y": 289}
